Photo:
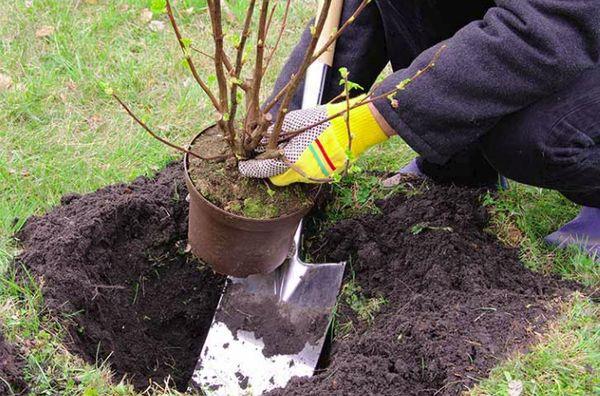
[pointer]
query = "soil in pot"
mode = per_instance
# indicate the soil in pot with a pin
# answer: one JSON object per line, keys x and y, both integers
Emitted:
{"x": 221, "y": 183}
{"x": 432, "y": 301}
{"x": 11, "y": 366}
{"x": 114, "y": 262}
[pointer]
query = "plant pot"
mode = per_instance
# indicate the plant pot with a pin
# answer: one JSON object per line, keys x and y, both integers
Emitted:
{"x": 235, "y": 245}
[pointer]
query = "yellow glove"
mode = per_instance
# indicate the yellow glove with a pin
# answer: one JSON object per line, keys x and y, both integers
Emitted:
{"x": 320, "y": 152}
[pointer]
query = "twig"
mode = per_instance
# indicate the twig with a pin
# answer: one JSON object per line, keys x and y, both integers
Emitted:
{"x": 369, "y": 98}
{"x": 298, "y": 170}
{"x": 279, "y": 36}
{"x": 253, "y": 103}
{"x": 226, "y": 61}
{"x": 239, "y": 58}
{"x": 188, "y": 58}
{"x": 320, "y": 52}
{"x": 162, "y": 140}
{"x": 270, "y": 20}
{"x": 347, "y": 122}
{"x": 214, "y": 9}
{"x": 318, "y": 29}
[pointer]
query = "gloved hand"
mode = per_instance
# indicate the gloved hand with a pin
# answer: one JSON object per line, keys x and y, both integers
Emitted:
{"x": 321, "y": 151}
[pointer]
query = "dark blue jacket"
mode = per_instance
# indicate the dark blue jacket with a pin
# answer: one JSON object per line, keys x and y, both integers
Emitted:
{"x": 514, "y": 53}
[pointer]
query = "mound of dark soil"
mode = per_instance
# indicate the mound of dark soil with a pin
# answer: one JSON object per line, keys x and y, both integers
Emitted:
{"x": 113, "y": 266}
{"x": 114, "y": 263}
{"x": 11, "y": 380}
{"x": 457, "y": 300}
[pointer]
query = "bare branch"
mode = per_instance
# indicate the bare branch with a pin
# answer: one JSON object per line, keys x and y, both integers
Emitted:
{"x": 347, "y": 122}
{"x": 188, "y": 58}
{"x": 209, "y": 56}
{"x": 316, "y": 32}
{"x": 226, "y": 61}
{"x": 369, "y": 98}
{"x": 269, "y": 106}
{"x": 239, "y": 58}
{"x": 214, "y": 8}
{"x": 162, "y": 140}
{"x": 253, "y": 102}
{"x": 279, "y": 36}
{"x": 271, "y": 17}
{"x": 299, "y": 170}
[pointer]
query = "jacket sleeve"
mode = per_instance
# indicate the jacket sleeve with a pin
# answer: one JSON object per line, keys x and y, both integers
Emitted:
{"x": 522, "y": 51}
{"x": 361, "y": 48}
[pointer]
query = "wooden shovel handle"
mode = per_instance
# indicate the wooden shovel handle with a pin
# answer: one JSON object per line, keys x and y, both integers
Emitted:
{"x": 332, "y": 23}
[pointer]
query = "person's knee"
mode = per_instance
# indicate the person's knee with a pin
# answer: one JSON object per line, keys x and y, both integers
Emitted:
{"x": 560, "y": 153}
{"x": 517, "y": 154}
{"x": 553, "y": 140}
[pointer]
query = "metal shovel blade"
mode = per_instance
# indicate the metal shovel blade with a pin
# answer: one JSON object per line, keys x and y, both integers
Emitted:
{"x": 269, "y": 328}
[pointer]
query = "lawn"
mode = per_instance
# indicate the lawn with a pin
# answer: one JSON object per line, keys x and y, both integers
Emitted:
{"x": 60, "y": 132}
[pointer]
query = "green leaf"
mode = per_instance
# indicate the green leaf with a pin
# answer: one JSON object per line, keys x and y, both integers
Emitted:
{"x": 106, "y": 88}
{"x": 354, "y": 86}
{"x": 90, "y": 392}
{"x": 235, "y": 81}
{"x": 349, "y": 155}
{"x": 402, "y": 85}
{"x": 344, "y": 72}
{"x": 420, "y": 227}
{"x": 211, "y": 79}
{"x": 187, "y": 42}
{"x": 355, "y": 169}
{"x": 234, "y": 39}
{"x": 158, "y": 6}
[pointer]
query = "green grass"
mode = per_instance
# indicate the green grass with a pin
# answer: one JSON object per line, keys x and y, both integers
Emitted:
{"x": 60, "y": 133}
{"x": 564, "y": 362}
{"x": 523, "y": 216}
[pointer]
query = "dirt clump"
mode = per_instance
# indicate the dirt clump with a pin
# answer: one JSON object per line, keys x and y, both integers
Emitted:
{"x": 11, "y": 367}
{"x": 283, "y": 327}
{"x": 114, "y": 267}
{"x": 222, "y": 184}
{"x": 454, "y": 300}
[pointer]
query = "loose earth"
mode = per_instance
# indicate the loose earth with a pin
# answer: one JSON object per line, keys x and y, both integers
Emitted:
{"x": 11, "y": 366}
{"x": 455, "y": 301}
{"x": 115, "y": 263}
{"x": 452, "y": 300}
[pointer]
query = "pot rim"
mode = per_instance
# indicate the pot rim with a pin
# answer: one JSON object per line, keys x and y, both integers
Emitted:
{"x": 224, "y": 212}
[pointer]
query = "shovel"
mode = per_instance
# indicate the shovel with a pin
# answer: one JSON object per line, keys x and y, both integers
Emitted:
{"x": 270, "y": 328}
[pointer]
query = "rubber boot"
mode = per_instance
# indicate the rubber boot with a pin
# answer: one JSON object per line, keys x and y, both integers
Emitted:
{"x": 411, "y": 169}
{"x": 583, "y": 231}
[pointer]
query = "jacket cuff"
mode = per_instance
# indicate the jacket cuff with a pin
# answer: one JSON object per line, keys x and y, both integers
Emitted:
{"x": 412, "y": 136}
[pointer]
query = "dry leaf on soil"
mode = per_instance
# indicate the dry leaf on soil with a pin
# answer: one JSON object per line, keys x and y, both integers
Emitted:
{"x": 95, "y": 121}
{"x": 5, "y": 82}
{"x": 145, "y": 15}
{"x": 44, "y": 31}
{"x": 515, "y": 388}
{"x": 156, "y": 26}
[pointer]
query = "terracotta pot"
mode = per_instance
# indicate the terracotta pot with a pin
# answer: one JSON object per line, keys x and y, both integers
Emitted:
{"x": 235, "y": 245}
